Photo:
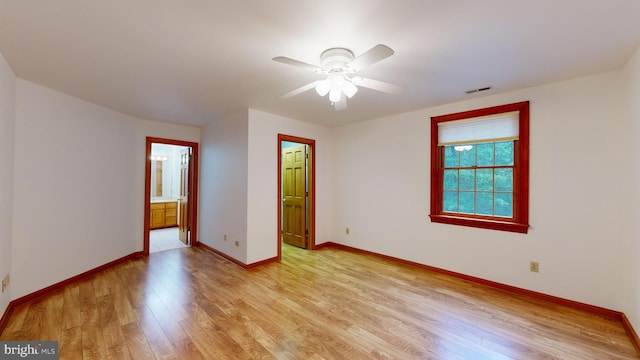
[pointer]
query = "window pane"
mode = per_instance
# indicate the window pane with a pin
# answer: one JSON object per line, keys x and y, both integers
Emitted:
{"x": 503, "y": 204}
{"x": 451, "y": 180}
{"x": 467, "y": 179}
{"x": 450, "y": 203}
{"x": 504, "y": 180}
{"x": 504, "y": 153}
{"x": 468, "y": 157}
{"x": 467, "y": 202}
{"x": 485, "y": 154}
{"x": 484, "y": 180}
{"x": 484, "y": 203}
{"x": 450, "y": 157}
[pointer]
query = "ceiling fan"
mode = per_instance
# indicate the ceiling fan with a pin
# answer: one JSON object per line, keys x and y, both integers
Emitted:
{"x": 339, "y": 65}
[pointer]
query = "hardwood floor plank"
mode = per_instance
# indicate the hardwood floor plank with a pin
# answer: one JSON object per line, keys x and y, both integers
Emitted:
{"x": 113, "y": 336}
{"x": 71, "y": 316}
{"x": 324, "y": 304}
{"x": 155, "y": 336}
{"x": 266, "y": 330}
{"x": 70, "y": 345}
{"x": 52, "y": 322}
{"x": 32, "y": 321}
{"x": 16, "y": 323}
{"x": 124, "y": 310}
{"x": 136, "y": 342}
{"x": 93, "y": 346}
{"x": 185, "y": 349}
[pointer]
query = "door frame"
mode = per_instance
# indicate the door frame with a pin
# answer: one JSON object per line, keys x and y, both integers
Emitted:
{"x": 312, "y": 189}
{"x": 193, "y": 196}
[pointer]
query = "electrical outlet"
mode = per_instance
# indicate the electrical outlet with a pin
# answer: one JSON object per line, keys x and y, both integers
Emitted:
{"x": 5, "y": 282}
{"x": 534, "y": 266}
{"x": 225, "y": 237}
{"x": 237, "y": 243}
{"x": 347, "y": 231}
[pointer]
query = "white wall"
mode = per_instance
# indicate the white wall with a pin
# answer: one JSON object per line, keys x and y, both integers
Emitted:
{"x": 578, "y": 166}
{"x": 238, "y": 177}
{"x": 223, "y": 185}
{"x": 79, "y": 185}
{"x": 7, "y": 120}
{"x": 262, "y": 222}
{"x": 631, "y": 250}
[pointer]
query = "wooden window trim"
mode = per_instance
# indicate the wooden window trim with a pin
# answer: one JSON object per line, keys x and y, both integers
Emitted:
{"x": 520, "y": 221}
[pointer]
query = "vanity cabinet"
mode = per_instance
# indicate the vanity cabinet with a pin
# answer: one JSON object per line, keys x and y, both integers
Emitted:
{"x": 163, "y": 214}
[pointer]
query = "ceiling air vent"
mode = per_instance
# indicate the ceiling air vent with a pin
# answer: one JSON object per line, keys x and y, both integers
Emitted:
{"x": 478, "y": 90}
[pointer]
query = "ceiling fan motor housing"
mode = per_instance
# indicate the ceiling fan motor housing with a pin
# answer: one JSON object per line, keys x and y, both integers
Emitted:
{"x": 335, "y": 59}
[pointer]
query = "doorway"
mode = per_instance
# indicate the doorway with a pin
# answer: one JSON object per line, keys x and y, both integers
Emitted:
{"x": 171, "y": 189}
{"x": 296, "y": 192}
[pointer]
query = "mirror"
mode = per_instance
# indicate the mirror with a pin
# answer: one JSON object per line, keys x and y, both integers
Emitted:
{"x": 165, "y": 172}
{"x": 157, "y": 184}
{"x": 160, "y": 183}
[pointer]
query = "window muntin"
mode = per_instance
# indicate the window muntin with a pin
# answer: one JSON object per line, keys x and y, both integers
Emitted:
{"x": 478, "y": 179}
{"x": 480, "y": 173}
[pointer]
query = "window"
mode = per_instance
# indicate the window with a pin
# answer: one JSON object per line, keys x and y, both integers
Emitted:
{"x": 480, "y": 168}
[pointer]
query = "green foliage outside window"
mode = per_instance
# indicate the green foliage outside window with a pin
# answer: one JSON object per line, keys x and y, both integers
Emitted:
{"x": 478, "y": 179}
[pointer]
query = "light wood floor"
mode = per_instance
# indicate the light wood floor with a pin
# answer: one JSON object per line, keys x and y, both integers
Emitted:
{"x": 325, "y": 304}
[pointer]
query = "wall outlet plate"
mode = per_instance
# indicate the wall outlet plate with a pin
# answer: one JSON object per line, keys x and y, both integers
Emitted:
{"x": 534, "y": 266}
{"x": 5, "y": 282}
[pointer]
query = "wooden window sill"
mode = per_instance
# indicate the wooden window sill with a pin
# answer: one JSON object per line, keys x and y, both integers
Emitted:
{"x": 481, "y": 223}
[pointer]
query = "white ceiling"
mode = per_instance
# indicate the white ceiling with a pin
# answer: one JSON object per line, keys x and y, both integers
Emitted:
{"x": 192, "y": 61}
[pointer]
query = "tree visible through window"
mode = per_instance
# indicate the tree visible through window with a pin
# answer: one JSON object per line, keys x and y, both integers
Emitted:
{"x": 482, "y": 181}
{"x": 478, "y": 179}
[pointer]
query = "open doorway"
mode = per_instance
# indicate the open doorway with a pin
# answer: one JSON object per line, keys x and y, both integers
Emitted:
{"x": 296, "y": 192}
{"x": 171, "y": 184}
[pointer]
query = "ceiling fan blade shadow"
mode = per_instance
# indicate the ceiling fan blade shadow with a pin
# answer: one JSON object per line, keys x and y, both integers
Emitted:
{"x": 379, "y": 86}
{"x": 371, "y": 56}
{"x": 342, "y": 104}
{"x": 299, "y": 90}
{"x": 296, "y": 63}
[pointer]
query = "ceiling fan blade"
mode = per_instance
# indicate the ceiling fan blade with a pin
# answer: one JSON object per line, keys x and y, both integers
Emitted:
{"x": 300, "y": 64}
{"x": 299, "y": 90}
{"x": 342, "y": 104}
{"x": 379, "y": 85}
{"x": 371, "y": 56}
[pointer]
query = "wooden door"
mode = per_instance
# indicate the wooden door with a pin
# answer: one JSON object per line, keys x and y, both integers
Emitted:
{"x": 184, "y": 210}
{"x": 294, "y": 195}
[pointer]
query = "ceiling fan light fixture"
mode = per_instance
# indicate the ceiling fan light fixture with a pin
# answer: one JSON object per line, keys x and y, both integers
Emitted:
{"x": 323, "y": 87}
{"x": 335, "y": 94}
{"x": 349, "y": 89}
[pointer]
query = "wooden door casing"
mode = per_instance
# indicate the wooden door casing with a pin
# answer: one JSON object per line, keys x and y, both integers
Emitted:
{"x": 193, "y": 189}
